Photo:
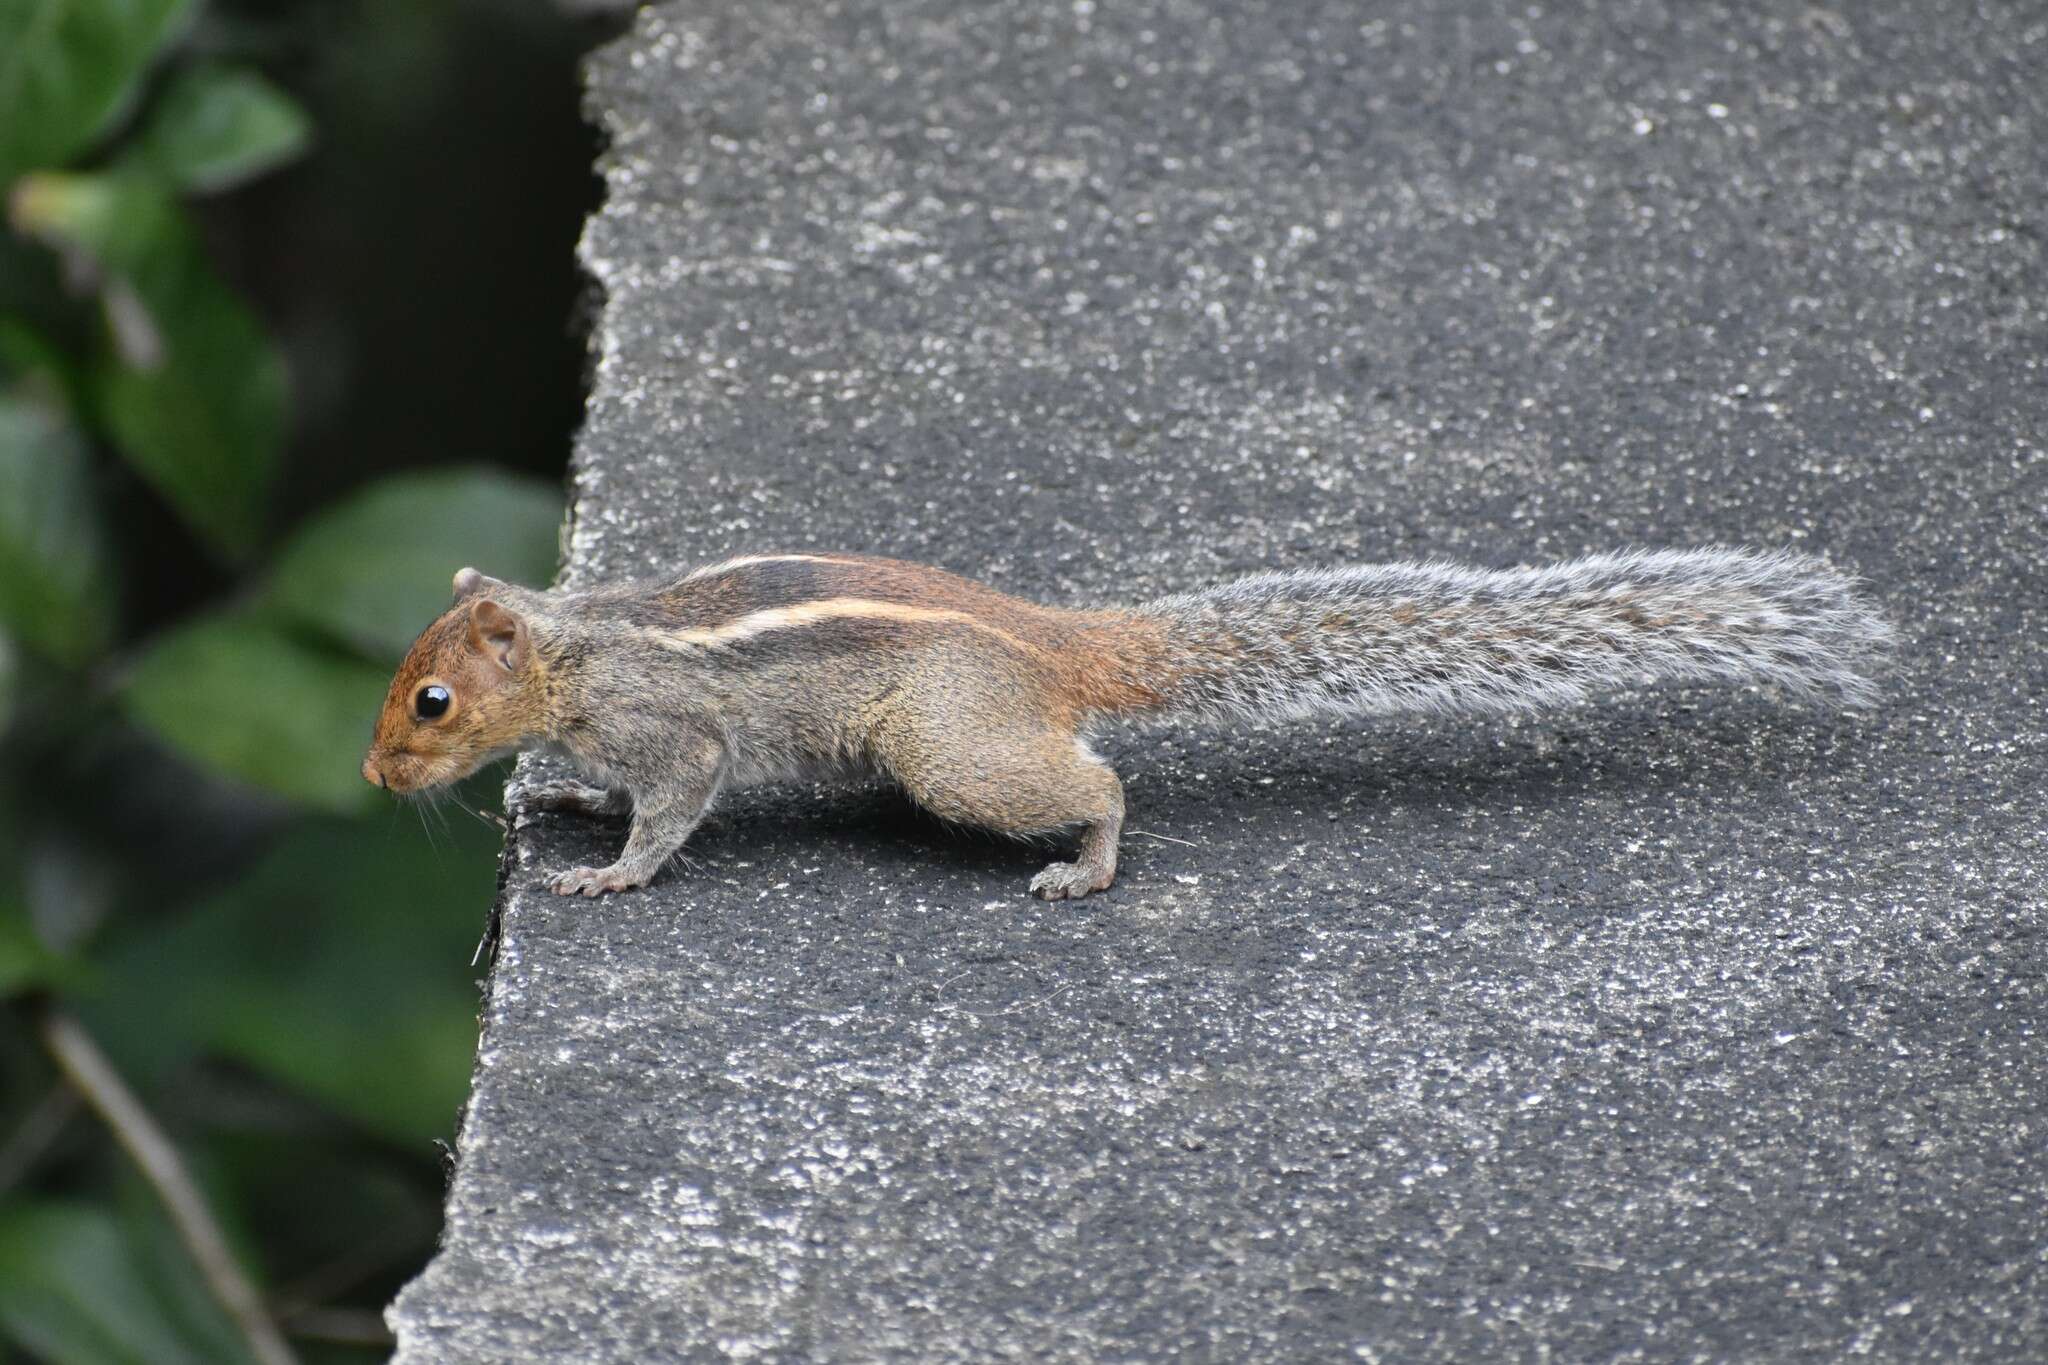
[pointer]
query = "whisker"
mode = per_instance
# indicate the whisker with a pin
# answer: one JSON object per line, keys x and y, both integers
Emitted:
{"x": 420, "y": 808}
{"x": 440, "y": 807}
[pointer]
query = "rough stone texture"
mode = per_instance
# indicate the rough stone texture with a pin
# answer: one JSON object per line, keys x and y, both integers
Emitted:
{"x": 1692, "y": 1026}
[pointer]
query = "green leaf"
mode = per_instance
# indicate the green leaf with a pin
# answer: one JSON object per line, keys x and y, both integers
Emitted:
{"x": 115, "y": 221}
{"x": 340, "y": 966}
{"x": 55, "y": 592}
{"x": 80, "y": 1287}
{"x": 26, "y": 962}
{"x": 246, "y": 699}
{"x": 376, "y": 569}
{"x": 32, "y": 366}
{"x": 34, "y": 301}
{"x": 205, "y": 425}
{"x": 219, "y": 126}
{"x": 188, "y": 387}
{"x": 68, "y": 68}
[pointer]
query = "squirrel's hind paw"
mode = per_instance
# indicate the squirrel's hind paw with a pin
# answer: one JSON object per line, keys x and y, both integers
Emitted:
{"x": 1071, "y": 881}
{"x": 593, "y": 881}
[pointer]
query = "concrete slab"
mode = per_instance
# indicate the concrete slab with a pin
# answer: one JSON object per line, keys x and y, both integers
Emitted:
{"x": 1692, "y": 1026}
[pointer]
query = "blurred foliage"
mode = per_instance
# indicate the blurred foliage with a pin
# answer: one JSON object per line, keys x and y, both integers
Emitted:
{"x": 376, "y": 568}
{"x": 80, "y": 1283}
{"x": 201, "y": 598}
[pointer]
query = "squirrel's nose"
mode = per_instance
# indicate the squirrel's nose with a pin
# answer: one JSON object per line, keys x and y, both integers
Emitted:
{"x": 371, "y": 773}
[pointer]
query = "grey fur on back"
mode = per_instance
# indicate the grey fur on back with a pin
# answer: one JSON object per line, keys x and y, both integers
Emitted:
{"x": 1444, "y": 638}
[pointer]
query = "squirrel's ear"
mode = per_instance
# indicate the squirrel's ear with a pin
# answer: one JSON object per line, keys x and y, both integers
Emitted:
{"x": 499, "y": 633}
{"x": 469, "y": 582}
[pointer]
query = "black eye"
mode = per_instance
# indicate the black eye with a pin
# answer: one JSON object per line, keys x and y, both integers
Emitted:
{"x": 431, "y": 702}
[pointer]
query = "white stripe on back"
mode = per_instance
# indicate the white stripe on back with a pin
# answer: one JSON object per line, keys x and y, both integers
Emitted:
{"x": 746, "y": 561}
{"x": 827, "y": 609}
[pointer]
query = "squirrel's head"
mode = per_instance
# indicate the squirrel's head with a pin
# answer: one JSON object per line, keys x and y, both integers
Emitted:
{"x": 471, "y": 689}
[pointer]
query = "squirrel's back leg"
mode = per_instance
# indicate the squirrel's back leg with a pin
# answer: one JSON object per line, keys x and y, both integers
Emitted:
{"x": 987, "y": 765}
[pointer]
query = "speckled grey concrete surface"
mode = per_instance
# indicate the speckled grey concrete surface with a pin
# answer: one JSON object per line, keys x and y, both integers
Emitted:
{"x": 1691, "y": 1027}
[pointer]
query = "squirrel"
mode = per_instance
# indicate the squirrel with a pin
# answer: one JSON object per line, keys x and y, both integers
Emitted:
{"x": 980, "y": 705}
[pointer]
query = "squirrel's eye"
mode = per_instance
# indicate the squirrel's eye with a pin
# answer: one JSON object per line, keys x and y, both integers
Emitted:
{"x": 431, "y": 702}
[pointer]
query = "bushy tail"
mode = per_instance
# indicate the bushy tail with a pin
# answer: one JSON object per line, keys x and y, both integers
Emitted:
{"x": 1447, "y": 639}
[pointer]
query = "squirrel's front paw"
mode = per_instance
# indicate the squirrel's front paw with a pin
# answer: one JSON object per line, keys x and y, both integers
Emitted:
{"x": 577, "y": 797}
{"x": 593, "y": 881}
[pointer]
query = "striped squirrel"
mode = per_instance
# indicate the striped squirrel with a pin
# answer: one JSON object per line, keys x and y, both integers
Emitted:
{"x": 980, "y": 705}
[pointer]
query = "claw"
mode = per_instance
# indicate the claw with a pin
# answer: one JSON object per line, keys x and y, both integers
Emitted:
{"x": 1070, "y": 881}
{"x": 592, "y": 881}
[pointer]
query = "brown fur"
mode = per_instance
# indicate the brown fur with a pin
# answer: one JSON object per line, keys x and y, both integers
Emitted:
{"x": 974, "y": 701}
{"x": 491, "y": 714}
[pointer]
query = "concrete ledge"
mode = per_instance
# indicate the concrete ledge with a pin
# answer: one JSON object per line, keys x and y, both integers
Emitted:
{"x": 1692, "y": 1025}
